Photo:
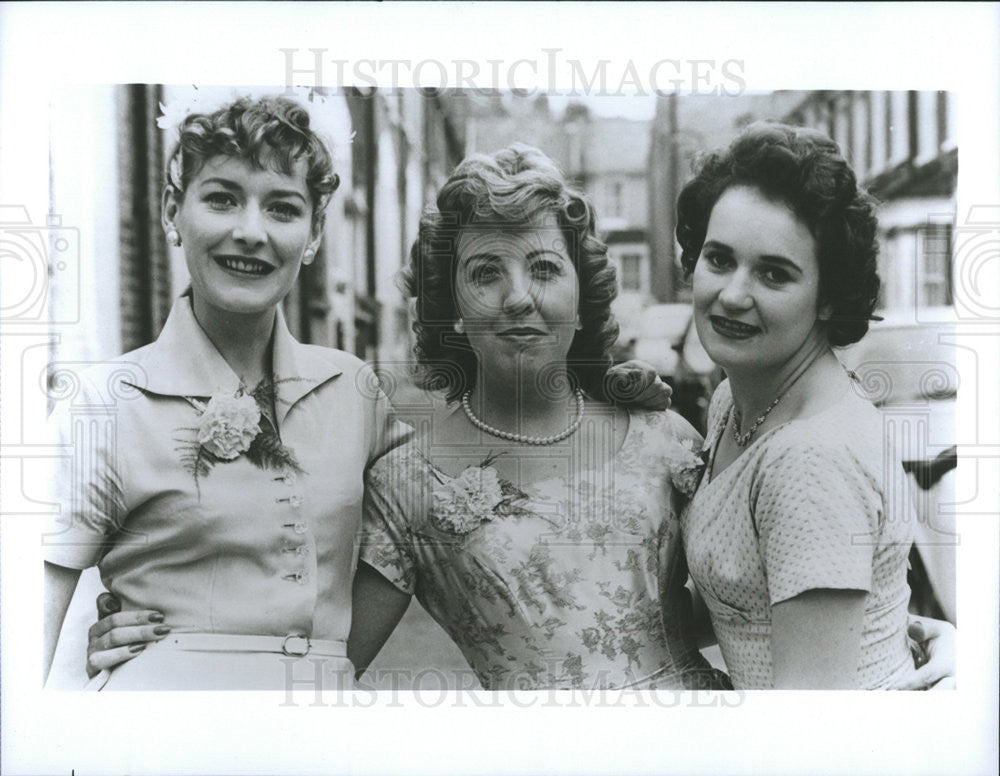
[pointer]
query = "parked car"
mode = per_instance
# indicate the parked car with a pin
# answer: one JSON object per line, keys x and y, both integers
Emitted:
{"x": 908, "y": 370}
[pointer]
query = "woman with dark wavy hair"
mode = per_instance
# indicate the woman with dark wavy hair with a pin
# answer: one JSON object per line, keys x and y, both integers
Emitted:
{"x": 536, "y": 523}
{"x": 798, "y": 535}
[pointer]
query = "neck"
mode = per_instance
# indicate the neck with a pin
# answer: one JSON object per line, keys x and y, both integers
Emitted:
{"x": 528, "y": 405}
{"x": 243, "y": 339}
{"x": 754, "y": 390}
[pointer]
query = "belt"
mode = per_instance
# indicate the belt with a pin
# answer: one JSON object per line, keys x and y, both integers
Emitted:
{"x": 293, "y": 645}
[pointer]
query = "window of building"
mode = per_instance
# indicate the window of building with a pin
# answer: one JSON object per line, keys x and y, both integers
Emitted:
{"x": 934, "y": 282}
{"x": 616, "y": 200}
{"x": 631, "y": 277}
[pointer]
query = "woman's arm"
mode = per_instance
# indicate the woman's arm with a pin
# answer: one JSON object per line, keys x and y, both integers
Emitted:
{"x": 60, "y": 582}
{"x": 816, "y": 640}
{"x": 377, "y": 608}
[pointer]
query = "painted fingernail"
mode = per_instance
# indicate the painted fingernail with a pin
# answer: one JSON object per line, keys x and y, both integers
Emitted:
{"x": 137, "y": 648}
{"x": 156, "y": 617}
{"x": 161, "y": 630}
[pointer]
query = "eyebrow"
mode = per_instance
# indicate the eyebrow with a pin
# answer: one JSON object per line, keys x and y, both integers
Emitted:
{"x": 767, "y": 258}
{"x": 232, "y": 186}
{"x": 532, "y": 255}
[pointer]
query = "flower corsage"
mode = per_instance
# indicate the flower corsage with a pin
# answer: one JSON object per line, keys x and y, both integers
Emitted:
{"x": 476, "y": 496}
{"x": 228, "y": 425}
{"x": 231, "y": 425}
{"x": 686, "y": 465}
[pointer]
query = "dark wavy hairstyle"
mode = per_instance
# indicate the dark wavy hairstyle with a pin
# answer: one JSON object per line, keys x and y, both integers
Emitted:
{"x": 514, "y": 187}
{"x": 269, "y": 132}
{"x": 804, "y": 169}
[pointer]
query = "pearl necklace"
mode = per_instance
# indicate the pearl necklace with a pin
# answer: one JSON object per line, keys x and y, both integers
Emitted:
{"x": 529, "y": 440}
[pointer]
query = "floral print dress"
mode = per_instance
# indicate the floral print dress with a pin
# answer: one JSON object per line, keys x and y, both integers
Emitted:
{"x": 577, "y": 581}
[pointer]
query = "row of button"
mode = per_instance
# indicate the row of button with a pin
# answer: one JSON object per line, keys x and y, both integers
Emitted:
{"x": 301, "y": 576}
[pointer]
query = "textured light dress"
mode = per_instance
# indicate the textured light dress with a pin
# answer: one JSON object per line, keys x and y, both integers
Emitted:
{"x": 575, "y": 582}
{"x": 240, "y": 549}
{"x": 815, "y": 503}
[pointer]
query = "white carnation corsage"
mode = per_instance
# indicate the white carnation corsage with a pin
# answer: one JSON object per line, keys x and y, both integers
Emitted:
{"x": 686, "y": 465}
{"x": 228, "y": 425}
{"x": 231, "y": 425}
{"x": 478, "y": 495}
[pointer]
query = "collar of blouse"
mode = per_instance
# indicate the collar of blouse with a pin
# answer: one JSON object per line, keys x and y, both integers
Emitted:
{"x": 184, "y": 362}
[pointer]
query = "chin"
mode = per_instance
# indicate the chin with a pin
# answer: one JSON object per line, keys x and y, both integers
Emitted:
{"x": 249, "y": 304}
{"x": 729, "y": 355}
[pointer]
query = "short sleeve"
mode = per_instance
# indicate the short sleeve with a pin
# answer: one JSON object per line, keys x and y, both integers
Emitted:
{"x": 387, "y": 543}
{"x": 87, "y": 483}
{"x": 817, "y": 514}
{"x": 683, "y": 431}
{"x": 386, "y": 431}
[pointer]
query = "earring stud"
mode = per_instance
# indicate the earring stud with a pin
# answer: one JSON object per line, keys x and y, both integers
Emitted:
{"x": 173, "y": 238}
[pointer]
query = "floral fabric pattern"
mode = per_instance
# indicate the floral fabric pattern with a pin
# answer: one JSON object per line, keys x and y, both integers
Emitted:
{"x": 575, "y": 581}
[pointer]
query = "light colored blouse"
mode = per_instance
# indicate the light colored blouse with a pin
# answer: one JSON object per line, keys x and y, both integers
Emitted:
{"x": 575, "y": 582}
{"x": 820, "y": 502}
{"x": 239, "y": 549}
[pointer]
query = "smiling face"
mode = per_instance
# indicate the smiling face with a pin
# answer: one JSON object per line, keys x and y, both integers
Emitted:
{"x": 244, "y": 232}
{"x": 756, "y": 283}
{"x": 517, "y": 293}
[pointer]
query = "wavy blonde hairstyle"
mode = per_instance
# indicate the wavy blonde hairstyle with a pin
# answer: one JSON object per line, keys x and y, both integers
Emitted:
{"x": 515, "y": 187}
{"x": 268, "y": 132}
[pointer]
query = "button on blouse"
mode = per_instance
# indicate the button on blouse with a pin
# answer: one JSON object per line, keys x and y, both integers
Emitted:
{"x": 207, "y": 543}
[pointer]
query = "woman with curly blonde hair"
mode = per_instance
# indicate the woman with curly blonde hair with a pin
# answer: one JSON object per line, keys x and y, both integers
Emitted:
{"x": 221, "y": 512}
{"x": 537, "y": 523}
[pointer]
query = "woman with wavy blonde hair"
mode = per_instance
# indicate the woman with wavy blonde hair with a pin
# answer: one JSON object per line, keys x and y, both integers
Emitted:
{"x": 222, "y": 512}
{"x": 537, "y": 523}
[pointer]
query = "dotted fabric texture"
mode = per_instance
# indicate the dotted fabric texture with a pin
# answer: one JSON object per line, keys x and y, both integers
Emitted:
{"x": 820, "y": 502}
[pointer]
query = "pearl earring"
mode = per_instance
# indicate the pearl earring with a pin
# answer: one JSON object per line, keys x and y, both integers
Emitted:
{"x": 308, "y": 256}
{"x": 173, "y": 237}
{"x": 460, "y": 326}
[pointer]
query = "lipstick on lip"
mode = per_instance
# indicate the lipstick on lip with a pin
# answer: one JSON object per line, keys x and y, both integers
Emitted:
{"x": 728, "y": 327}
{"x": 244, "y": 265}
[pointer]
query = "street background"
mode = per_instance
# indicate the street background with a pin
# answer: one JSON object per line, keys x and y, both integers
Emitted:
{"x": 630, "y": 154}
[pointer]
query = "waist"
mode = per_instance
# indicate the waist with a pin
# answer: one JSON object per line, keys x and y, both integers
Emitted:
{"x": 292, "y": 645}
